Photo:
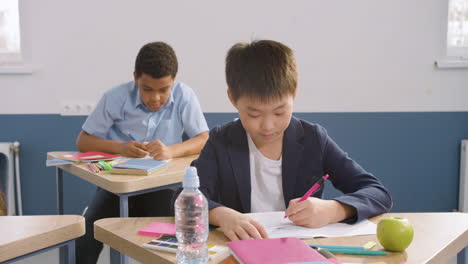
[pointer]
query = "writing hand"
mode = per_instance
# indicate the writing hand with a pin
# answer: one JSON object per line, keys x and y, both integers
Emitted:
{"x": 312, "y": 213}
{"x": 158, "y": 150}
{"x": 133, "y": 149}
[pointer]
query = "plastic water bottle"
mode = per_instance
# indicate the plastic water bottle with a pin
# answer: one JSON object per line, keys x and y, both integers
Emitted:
{"x": 191, "y": 217}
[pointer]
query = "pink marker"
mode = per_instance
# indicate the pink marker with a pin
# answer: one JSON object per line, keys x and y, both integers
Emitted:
{"x": 312, "y": 189}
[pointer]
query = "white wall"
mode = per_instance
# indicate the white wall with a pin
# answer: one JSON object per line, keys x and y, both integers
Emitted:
{"x": 361, "y": 55}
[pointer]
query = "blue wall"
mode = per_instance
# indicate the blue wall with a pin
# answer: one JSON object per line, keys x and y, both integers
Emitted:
{"x": 416, "y": 155}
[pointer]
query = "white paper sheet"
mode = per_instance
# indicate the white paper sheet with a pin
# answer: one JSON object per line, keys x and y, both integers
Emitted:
{"x": 277, "y": 226}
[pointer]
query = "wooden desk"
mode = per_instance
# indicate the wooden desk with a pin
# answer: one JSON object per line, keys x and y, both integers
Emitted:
{"x": 438, "y": 237}
{"x": 24, "y": 236}
{"x": 123, "y": 186}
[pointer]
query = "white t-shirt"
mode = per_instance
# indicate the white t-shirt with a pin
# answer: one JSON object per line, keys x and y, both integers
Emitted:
{"x": 266, "y": 182}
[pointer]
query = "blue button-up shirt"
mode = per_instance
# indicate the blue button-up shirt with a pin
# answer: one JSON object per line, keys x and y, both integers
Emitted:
{"x": 121, "y": 111}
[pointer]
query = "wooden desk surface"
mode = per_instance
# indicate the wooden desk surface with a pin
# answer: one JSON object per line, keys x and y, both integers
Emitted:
{"x": 172, "y": 173}
{"x": 20, "y": 235}
{"x": 438, "y": 237}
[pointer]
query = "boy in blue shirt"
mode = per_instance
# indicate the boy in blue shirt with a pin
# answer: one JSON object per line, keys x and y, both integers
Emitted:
{"x": 154, "y": 109}
{"x": 146, "y": 116}
{"x": 268, "y": 159}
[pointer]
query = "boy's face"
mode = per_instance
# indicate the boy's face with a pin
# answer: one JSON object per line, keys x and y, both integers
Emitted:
{"x": 154, "y": 92}
{"x": 264, "y": 121}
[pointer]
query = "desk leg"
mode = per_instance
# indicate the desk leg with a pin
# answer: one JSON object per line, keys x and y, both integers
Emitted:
{"x": 462, "y": 255}
{"x": 123, "y": 205}
{"x": 59, "y": 179}
{"x": 70, "y": 249}
{"x": 115, "y": 256}
{"x": 63, "y": 253}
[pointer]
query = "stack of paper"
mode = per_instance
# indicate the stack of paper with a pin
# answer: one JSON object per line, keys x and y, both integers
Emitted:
{"x": 277, "y": 226}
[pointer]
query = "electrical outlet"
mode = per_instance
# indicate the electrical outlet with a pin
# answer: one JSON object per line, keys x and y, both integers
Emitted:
{"x": 76, "y": 108}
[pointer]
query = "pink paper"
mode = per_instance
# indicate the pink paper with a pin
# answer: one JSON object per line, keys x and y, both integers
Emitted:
{"x": 274, "y": 251}
{"x": 157, "y": 229}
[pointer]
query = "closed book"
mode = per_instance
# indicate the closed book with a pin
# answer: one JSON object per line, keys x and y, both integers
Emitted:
{"x": 274, "y": 251}
{"x": 88, "y": 156}
{"x": 157, "y": 229}
{"x": 138, "y": 167}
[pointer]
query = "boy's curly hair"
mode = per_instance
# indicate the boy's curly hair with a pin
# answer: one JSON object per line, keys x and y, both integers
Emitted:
{"x": 156, "y": 59}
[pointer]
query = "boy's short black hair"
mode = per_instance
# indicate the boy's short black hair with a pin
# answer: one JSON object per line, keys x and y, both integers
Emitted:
{"x": 263, "y": 69}
{"x": 156, "y": 59}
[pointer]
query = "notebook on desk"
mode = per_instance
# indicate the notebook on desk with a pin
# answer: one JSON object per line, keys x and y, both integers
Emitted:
{"x": 278, "y": 226}
{"x": 273, "y": 251}
{"x": 88, "y": 156}
{"x": 138, "y": 167}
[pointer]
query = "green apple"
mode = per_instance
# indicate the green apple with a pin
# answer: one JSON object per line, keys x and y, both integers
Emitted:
{"x": 395, "y": 233}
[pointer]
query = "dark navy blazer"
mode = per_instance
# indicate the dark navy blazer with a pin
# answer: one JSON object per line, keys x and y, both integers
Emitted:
{"x": 308, "y": 153}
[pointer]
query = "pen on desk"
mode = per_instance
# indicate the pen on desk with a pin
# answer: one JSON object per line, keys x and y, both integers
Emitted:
{"x": 329, "y": 256}
{"x": 312, "y": 189}
{"x": 335, "y": 247}
{"x": 354, "y": 251}
{"x": 91, "y": 168}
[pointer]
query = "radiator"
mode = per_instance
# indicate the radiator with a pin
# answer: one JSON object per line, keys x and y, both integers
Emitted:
{"x": 463, "y": 193}
{"x": 10, "y": 177}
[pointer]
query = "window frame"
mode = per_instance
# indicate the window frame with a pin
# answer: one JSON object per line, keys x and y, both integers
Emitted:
{"x": 455, "y": 56}
{"x": 453, "y": 50}
{"x": 14, "y": 62}
{"x": 12, "y": 56}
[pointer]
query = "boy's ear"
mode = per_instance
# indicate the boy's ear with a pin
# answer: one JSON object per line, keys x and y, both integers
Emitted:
{"x": 230, "y": 98}
{"x": 135, "y": 77}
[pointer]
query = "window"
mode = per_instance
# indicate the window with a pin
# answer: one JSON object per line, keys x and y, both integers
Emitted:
{"x": 457, "y": 29}
{"x": 10, "y": 48}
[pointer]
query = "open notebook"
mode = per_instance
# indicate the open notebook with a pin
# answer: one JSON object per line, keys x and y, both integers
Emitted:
{"x": 277, "y": 226}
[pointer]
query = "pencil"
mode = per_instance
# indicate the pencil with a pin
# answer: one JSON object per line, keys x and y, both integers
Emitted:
{"x": 355, "y": 251}
{"x": 336, "y": 247}
{"x": 90, "y": 167}
{"x": 329, "y": 256}
{"x": 132, "y": 137}
{"x": 314, "y": 188}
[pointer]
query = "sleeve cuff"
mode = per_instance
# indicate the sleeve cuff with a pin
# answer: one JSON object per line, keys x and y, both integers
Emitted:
{"x": 213, "y": 205}
{"x": 350, "y": 202}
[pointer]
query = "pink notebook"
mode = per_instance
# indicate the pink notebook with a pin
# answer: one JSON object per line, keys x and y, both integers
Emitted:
{"x": 158, "y": 229}
{"x": 273, "y": 251}
{"x": 88, "y": 156}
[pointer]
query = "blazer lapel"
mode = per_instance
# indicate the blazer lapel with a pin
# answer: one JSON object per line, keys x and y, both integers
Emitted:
{"x": 292, "y": 156}
{"x": 239, "y": 155}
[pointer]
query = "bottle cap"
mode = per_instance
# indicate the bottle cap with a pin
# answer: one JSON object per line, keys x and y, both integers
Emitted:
{"x": 191, "y": 178}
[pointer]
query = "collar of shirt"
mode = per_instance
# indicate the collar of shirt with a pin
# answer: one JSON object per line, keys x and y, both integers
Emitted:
{"x": 139, "y": 103}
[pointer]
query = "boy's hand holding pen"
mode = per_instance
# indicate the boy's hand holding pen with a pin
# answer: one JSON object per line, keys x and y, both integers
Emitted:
{"x": 314, "y": 212}
{"x": 156, "y": 149}
{"x": 310, "y": 211}
{"x": 309, "y": 193}
{"x": 133, "y": 148}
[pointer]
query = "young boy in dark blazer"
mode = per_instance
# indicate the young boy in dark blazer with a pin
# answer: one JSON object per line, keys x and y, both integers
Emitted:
{"x": 268, "y": 159}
